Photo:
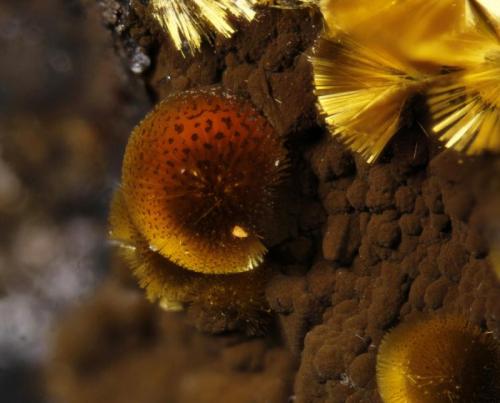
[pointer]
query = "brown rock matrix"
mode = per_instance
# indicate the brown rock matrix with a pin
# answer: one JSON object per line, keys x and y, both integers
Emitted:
{"x": 419, "y": 248}
{"x": 120, "y": 348}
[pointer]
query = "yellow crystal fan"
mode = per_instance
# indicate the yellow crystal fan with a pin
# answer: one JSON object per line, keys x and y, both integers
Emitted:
{"x": 411, "y": 30}
{"x": 438, "y": 360}
{"x": 188, "y": 22}
{"x": 362, "y": 93}
{"x": 466, "y": 110}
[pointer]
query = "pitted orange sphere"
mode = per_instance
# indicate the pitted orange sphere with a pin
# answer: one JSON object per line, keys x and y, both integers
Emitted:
{"x": 199, "y": 179}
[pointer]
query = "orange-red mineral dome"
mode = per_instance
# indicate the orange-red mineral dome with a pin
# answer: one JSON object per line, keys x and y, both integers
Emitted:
{"x": 199, "y": 179}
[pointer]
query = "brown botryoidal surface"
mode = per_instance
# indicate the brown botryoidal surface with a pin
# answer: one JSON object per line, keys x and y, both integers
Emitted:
{"x": 356, "y": 248}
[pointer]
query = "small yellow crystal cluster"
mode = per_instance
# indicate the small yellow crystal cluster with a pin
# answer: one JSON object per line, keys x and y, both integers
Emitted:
{"x": 375, "y": 56}
{"x": 438, "y": 359}
{"x": 188, "y": 22}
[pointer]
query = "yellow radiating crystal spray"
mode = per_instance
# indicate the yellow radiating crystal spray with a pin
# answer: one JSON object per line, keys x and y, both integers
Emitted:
{"x": 396, "y": 49}
{"x": 189, "y": 21}
{"x": 438, "y": 360}
{"x": 411, "y": 30}
{"x": 465, "y": 104}
{"x": 465, "y": 107}
{"x": 362, "y": 93}
{"x": 464, "y": 101}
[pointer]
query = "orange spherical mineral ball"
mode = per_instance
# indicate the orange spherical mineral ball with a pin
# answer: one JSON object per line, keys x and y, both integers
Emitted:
{"x": 199, "y": 180}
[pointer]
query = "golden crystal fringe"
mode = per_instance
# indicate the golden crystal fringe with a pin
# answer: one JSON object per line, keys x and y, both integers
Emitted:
{"x": 173, "y": 287}
{"x": 189, "y": 21}
{"x": 465, "y": 106}
{"x": 438, "y": 359}
{"x": 354, "y": 15}
{"x": 391, "y": 26}
{"x": 362, "y": 93}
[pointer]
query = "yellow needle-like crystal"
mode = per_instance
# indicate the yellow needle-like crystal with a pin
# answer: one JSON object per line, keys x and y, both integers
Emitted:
{"x": 362, "y": 93}
{"x": 188, "y": 22}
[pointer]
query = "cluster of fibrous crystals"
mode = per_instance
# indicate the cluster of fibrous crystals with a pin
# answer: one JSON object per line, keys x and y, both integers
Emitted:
{"x": 362, "y": 93}
{"x": 199, "y": 182}
{"x": 375, "y": 56}
{"x": 438, "y": 360}
{"x": 188, "y": 22}
{"x": 465, "y": 104}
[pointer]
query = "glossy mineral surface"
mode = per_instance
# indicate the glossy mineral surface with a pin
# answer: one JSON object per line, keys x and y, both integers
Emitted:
{"x": 199, "y": 180}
